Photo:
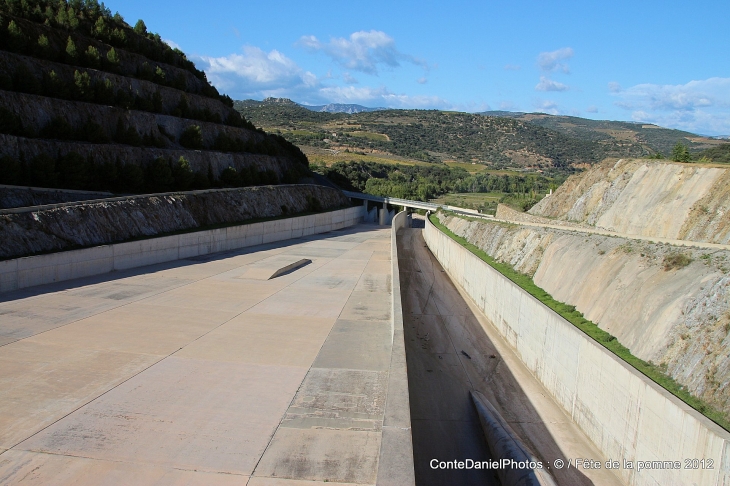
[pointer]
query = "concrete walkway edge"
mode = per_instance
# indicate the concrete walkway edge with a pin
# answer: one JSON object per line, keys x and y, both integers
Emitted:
{"x": 30, "y": 271}
{"x": 396, "y": 448}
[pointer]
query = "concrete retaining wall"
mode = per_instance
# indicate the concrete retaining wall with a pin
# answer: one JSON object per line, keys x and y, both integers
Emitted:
{"x": 628, "y": 416}
{"x": 396, "y": 448}
{"x": 56, "y": 267}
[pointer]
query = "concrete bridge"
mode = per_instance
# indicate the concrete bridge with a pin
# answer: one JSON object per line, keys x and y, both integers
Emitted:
{"x": 382, "y": 209}
{"x": 316, "y": 349}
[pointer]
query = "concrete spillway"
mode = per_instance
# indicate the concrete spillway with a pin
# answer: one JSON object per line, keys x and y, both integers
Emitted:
{"x": 451, "y": 349}
{"x": 204, "y": 370}
{"x": 201, "y": 371}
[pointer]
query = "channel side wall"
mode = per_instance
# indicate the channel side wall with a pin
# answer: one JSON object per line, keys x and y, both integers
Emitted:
{"x": 395, "y": 467}
{"x": 628, "y": 416}
{"x": 30, "y": 271}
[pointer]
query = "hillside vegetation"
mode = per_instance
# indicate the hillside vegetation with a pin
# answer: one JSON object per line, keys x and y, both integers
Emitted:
{"x": 89, "y": 102}
{"x": 425, "y": 182}
{"x": 528, "y": 141}
{"x": 656, "y": 139}
{"x": 430, "y": 136}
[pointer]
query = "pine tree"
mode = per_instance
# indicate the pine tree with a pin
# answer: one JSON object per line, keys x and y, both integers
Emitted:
{"x": 140, "y": 27}
{"x": 92, "y": 54}
{"x": 71, "y": 51}
{"x": 112, "y": 56}
{"x": 680, "y": 153}
{"x": 100, "y": 30}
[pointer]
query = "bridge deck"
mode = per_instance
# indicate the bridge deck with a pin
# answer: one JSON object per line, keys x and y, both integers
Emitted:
{"x": 201, "y": 371}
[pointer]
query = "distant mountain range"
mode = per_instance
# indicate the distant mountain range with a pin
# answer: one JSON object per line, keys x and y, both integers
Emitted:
{"x": 342, "y": 108}
{"x": 346, "y": 108}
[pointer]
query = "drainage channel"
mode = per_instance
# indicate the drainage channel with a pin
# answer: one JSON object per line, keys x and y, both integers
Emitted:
{"x": 450, "y": 355}
{"x": 444, "y": 422}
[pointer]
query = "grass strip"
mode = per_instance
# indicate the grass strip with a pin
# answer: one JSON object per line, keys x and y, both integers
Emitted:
{"x": 575, "y": 317}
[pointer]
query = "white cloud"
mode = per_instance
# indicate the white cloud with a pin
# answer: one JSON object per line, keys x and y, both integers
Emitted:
{"x": 380, "y": 96}
{"x": 592, "y": 109}
{"x": 422, "y": 80}
{"x": 172, "y": 44}
{"x": 547, "y": 84}
{"x": 257, "y": 74}
{"x": 552, "y": 61}
{"x": 507, "y": 106}
{"x": 362, "y": 51}
{"x": 614, "y": 87}
{"x": 349, "y": 79}
{"x": 700, "y": 106}
{"x": 712, "y": 92}
{"x": 255, "y": 71}
{"x": 512, "y": 67}
{"x": 546, "y": 106}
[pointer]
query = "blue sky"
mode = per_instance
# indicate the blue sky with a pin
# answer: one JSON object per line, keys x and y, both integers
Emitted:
{"x": 660, "y": 62}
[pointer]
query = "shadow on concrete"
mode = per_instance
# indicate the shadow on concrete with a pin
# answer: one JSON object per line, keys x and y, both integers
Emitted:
{"x": 448, "y": 355}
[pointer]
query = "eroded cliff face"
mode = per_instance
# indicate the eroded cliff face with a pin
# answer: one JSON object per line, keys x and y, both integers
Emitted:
{"x": 673, "y": 315}
{"x": 647, "y": 198}
{"x": 103, "y": 222}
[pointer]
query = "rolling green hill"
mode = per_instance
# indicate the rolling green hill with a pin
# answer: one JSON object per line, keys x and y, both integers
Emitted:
{"x": 496, "y": 139}
{"x": 435, "y": 136}
{"x": 652, "y": 137}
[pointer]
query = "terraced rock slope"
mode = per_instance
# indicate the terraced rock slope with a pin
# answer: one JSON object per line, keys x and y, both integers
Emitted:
{"x": 88, "y": 102}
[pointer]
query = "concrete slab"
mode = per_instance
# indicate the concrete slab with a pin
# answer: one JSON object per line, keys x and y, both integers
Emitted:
{"x": 216, "y": 295}
{"x": 357, "y": 254}
{"x": 368, "y": 306}
{"x": 357, "y": 345}
{"x": 30, "y": 316}
{"x": 322, "y": 455}
{"x": 146, "y": 329}
{"x": 191, "y": 372}
{"x": 303, "y": 302}
{"x": 339, "y": 399}
{"x": 330, "y": 281}
{"x": 42, "y": 383}
{"x": 32, "y": 468}
{"x": 311, "y": 251}
{"x": 163, "y": 417}
{"x": 263, "y": 339}
{"x": 287, "y": 482}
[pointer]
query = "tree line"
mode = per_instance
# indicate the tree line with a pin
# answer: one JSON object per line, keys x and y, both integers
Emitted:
{"x": 424, "y": 182}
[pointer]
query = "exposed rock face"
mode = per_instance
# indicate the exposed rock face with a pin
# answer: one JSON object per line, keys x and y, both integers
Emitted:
{"x": 126, "y": 154}
{"x": 89, "y": 224}
{"x": 15, "y": 197}
{"x": 648, "y": 198}
{"x": 677, "y": 317}
{"x": 35, "y": 112}
{"x": 169, "y": 97}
